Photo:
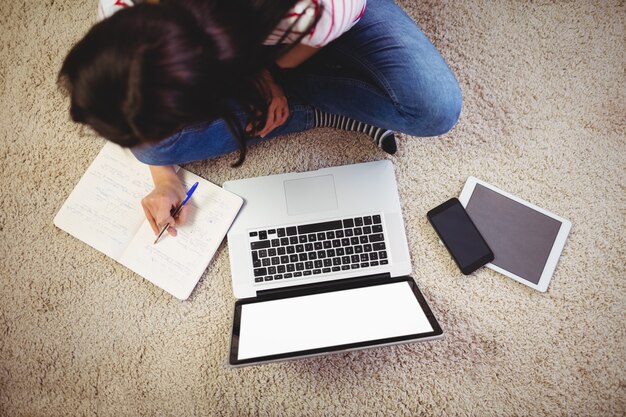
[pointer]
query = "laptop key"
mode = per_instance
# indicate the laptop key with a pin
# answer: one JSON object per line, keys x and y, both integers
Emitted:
{"x": 376, "y": 219}
{"x": 378, "y": 237}
{"x": 263, "y": 244}
{"x": 345, "y": 267}
{"x": 358, "y": 221}
{"x": 266, "y": 262}
{"x": 377, "y": 228}
{"x": 297, "y": 274}
{"x": 258, "y": 279}
{"x": 367, "y": 220}
{"x": 288, "y": 275}
{"x": 320, "y": 227}
{"x": 336, "y": 268}
{"x": 379, "y": 246}
{"x": 263, "y": 235}
{"x": 291, "y": 231}
{"x": 367, "y": 230}
{"x": 306, "y": 273}
{"x": 268, "y": 278}
{"x": 317, "y": 271}
{"x": 384, "y": 262}
{"x": 281, "y": 232}
{"x": 382, "y": 255}
{"x": 348, "y": 223}
{"x": 279, "y": 276}
{"x": 260, "y": 272}
{"x": 325, "y": 270}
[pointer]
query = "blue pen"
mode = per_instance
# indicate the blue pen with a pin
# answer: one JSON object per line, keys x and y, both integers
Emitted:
{"x": 175, "y": 213}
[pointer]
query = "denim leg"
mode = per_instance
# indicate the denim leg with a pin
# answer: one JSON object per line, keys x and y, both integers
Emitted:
{"x": 395, "y": 78}
{"x": 212, "y": 139}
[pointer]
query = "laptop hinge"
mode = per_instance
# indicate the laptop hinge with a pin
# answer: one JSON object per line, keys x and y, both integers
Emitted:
{"x": 319, "y": 287}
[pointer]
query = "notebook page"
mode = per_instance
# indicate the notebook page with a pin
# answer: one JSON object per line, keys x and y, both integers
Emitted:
{"x": 104, "y": 209}
{"x": 176, "y": 263}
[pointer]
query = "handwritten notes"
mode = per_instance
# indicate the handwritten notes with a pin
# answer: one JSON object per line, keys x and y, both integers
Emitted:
{"x": 104, "y": 211}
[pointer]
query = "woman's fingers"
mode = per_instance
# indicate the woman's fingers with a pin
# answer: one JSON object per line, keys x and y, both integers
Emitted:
{"x": 158, "y": 207}
{"x": 270, "y": 121}
{"x": 182, "y": 216}
{"x": 277, "y": 114}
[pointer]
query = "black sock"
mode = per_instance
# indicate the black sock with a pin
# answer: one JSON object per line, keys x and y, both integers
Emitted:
{"x": 383, "y": 138}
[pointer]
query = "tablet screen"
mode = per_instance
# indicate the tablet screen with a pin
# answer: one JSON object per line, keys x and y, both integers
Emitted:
{"x": 521, "y": 238}
{"x": 330, "y": 319}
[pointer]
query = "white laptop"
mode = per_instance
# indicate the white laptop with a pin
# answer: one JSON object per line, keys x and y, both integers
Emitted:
{"x": 320, "y": 264}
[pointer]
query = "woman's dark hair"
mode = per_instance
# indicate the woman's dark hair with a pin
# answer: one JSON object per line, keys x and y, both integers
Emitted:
{"x": 148, "y": 71}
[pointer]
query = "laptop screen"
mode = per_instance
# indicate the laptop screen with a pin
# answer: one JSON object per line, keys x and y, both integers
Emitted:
{"x": 327, "y": 321}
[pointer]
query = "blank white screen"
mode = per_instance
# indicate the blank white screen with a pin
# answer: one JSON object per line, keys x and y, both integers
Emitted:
{"x": 330, "y": 319}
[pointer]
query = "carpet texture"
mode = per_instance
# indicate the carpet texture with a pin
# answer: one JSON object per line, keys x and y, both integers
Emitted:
{"x": 544, "y": 118}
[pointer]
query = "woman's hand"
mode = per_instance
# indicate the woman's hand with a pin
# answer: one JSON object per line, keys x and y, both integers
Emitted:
{"x": 278, "y": 108}
{"x": 168, "y": 193}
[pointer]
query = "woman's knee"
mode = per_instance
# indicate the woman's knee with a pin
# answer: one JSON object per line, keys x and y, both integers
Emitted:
{"x": 434, "y": 109}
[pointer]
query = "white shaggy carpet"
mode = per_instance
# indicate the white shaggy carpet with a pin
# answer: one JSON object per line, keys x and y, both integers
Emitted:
{"x": 544, "y": 118}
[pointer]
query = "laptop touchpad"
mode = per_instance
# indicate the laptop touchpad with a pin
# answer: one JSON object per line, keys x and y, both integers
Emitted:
{"x": 309, "y": 195}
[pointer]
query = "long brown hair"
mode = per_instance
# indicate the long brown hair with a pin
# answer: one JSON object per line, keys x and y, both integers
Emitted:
{"x": 148, "y": 71}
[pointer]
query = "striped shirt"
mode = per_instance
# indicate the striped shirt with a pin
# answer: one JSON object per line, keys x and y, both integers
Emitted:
{"x": 337, "y": 17}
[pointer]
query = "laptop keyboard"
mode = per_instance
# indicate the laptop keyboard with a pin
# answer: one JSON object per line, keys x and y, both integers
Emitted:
{"x": 318, "y": 248}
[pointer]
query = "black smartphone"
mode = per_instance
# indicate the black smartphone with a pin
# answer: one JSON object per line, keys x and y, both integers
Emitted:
{"x": 460, "y": 236}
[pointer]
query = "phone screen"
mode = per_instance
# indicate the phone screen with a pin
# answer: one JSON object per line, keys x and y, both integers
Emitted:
{"x": 460, "y": 236}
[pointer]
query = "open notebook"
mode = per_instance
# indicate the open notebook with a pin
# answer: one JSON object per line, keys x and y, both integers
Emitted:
{"x": 104, "y": 211}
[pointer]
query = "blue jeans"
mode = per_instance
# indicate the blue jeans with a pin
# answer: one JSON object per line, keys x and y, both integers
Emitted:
{"x": 383, "y": 71}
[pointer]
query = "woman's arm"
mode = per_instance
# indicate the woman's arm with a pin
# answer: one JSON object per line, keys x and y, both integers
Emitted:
{"x": 296, "y": 56}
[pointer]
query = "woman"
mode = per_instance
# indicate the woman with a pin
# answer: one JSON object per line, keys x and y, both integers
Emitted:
{"x": 187, "y": 80}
